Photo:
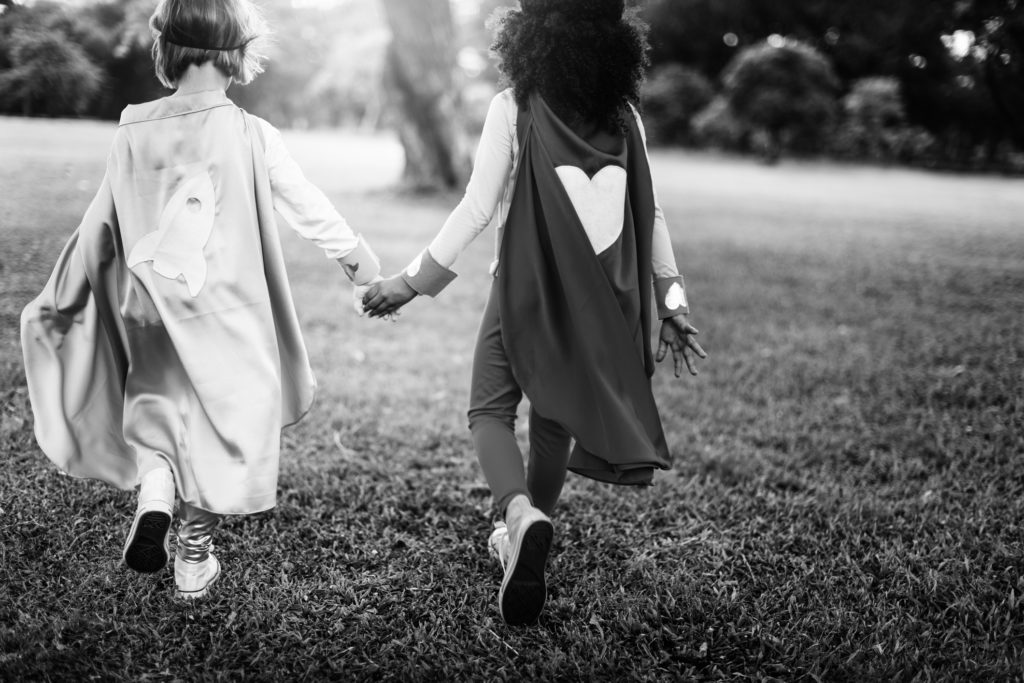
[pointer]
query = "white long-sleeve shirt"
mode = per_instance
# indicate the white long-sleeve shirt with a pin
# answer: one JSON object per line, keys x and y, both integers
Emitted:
{"x": 490, "y": 189}
{"x": 304, "y": 207}
{"x": 308, "y": 211}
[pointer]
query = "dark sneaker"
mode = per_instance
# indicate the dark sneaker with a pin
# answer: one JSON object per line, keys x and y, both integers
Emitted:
{"x": 147, "y": 548}
{"x": 523, "y": 590}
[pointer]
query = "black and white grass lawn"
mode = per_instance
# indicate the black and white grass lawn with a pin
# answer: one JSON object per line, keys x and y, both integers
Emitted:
{"x": 845, "y": 504}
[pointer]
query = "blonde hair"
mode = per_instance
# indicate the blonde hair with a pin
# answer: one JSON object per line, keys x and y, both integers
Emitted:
{"x": 225, "y": 32}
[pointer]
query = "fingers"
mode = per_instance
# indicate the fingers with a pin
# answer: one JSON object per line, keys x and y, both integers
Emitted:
{"x": 692, "y": 343}
{"x": 374, "y": 300}
{"x": 371, "y": 291}
{"x": 683, "y": 349}
{"x": 690, "y": 365}
{"x": 662, "y": 350}
{"x": 689, "y": 331}
{"x": 381, "y": 304}
{"x": 386, "y": 308}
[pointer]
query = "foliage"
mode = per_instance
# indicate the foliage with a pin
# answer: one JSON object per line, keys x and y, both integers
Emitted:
{"x": 875, "y": 103}
{"x": 48, "y": 75}
{"x": 325, "y": 69}
{"x": 98, "y": 66}
{"x": 972, "y": 104}
{"x": 966, "y": 109}
{"x": 671, "y": 96}
{"x": 875, "y": 127}
{"x": 717, "y": 127}
{"x": 999, "y": 30}
{"x": 846, "y": 501}
{"x": 786, "y": 90}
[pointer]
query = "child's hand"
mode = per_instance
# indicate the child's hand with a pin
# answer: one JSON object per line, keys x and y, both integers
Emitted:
{"x": 386, "y": 297}
{"x": 358, "y": 292}
{"x": 678, "y": 334}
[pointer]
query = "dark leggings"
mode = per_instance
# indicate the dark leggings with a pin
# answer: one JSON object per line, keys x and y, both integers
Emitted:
{"x": 494, "y": 398}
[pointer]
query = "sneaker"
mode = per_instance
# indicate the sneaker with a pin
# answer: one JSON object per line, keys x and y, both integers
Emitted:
{"x": 523, "y": 590}
{"x": 193, "y": 579}
{"x": 147, "y": 547}
{"x": 497, "y": 544}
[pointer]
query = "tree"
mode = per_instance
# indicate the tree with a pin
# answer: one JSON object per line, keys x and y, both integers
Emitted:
{"x": 49, "y": 75}
{"x": 875, "y": 128}
{"x": 716, "y": 126}
{"x": 998, "y": 28}
{"x": 671, "y": 96}
{"x": 116, "y": 35}
{"x": 109, "y": 39}
{"x": 970, "y": 101}
{"x": 419, "y": 77}
{"x": 786, "y": 90}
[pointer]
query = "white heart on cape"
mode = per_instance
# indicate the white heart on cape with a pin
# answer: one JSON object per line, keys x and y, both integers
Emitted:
{"x": 600, "y": 202}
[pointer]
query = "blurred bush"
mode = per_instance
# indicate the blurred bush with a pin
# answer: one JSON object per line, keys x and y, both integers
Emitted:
{"x": 49, "y": 75}
{"x": 784, "y": 92}
{"x": 717, "y": 127}
{"x": 670, "y": 97}
{"x": 875, "y": 127}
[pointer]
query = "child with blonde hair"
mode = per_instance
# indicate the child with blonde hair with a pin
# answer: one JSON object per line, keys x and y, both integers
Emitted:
{"x": 165, "y": 350}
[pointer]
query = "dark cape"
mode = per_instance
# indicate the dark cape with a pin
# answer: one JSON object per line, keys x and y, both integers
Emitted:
{"x": 576, "y": 325}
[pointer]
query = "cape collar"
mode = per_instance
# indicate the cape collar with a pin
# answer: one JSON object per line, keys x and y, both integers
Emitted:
{"x": 174, "y": 105}
{"x": 591, "y": 153}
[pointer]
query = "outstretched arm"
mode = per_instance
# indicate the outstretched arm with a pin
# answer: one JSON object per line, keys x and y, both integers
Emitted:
{"x": 677, "y": 333}
{"x": 429, "y": 272}
{"x": 312, "y": 215}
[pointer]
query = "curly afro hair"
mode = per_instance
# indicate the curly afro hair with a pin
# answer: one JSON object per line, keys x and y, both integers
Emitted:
{"x": 586, "y": 58}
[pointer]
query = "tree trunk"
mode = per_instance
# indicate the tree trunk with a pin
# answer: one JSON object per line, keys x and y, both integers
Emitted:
{"x": 425, "y": 102}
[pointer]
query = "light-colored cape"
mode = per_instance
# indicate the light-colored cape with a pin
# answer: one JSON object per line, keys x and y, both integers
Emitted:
{"x": 167, "y": 326}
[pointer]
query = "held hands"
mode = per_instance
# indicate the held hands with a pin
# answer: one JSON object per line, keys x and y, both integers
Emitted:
{"x": 678, "y": 334}
{"x": 359, "y": 291}
{"x": 385, "y": 297}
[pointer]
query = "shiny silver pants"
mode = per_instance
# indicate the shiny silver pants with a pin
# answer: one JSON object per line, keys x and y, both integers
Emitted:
{"x": 195, "y": 533}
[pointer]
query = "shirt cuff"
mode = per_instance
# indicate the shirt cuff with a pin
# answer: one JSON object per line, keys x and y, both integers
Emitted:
{"x": 427, "y": 276}
{"x": 670, "y": 293}
{"x": 361, "y": 264}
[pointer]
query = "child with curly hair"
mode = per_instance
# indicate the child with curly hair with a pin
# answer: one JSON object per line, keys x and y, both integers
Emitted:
{"x": 165, "y": 350}
{"x": 562, "y": 159}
